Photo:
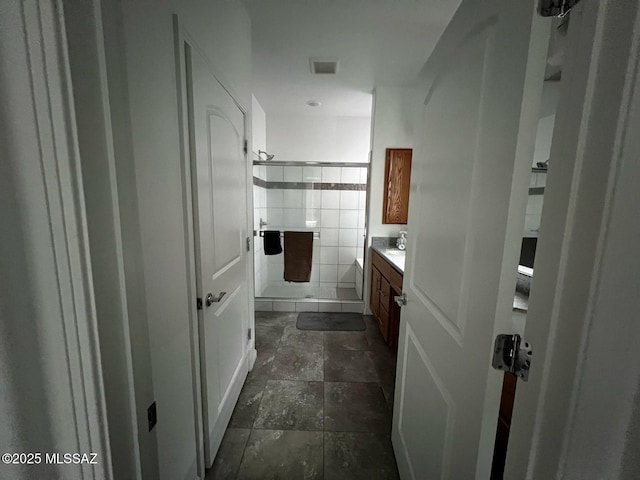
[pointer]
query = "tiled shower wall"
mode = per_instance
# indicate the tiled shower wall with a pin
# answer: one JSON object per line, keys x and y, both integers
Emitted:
{"x": 259, "y": 211}
{"x": 327, "y": 200}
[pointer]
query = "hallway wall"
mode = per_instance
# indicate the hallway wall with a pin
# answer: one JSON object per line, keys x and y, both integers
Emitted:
{"x": 221, "y": 30}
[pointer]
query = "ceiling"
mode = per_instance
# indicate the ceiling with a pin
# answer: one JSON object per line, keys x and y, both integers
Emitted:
{"x": 377, "y": 42}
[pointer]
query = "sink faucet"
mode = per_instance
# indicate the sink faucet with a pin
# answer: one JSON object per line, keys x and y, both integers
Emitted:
{"x": 401, "y": 242}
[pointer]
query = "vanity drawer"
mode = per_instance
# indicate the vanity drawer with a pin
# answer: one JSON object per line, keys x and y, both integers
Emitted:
{"x": 385, "y": 292}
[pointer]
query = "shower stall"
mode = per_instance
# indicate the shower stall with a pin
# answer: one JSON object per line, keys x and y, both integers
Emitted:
{"x": 329, "y": 199}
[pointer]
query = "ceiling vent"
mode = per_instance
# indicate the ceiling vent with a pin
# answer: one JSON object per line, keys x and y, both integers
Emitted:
{"x": 324, "y": 66}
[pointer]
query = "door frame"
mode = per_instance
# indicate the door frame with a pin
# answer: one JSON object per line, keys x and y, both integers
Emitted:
{"x": 49, "y": 245}
{"x": 590, "y": 135}
{"x": 181, "y": 39}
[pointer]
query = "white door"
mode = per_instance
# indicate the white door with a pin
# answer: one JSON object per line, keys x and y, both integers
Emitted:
{"x": 469, "y": 185}
{"x": 216, "y": 128}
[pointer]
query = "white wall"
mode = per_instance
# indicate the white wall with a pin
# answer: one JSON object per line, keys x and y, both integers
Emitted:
{"x": 318, "y": 138}
{"x": 221, "y": 30}
{"x": 397, "y": 114}
{"x": 396, "y": 119}
{"x": 258, "y": 127}
{"x": 548, "y": 107}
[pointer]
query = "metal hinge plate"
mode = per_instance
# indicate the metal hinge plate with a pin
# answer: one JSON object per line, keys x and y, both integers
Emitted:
{"x": 512, "y": 354}
{"x": 249, "y": 335}
{"x": 199, "y": 303}
{"x": 248, "y": 244}
{"x": 245, "y": 147}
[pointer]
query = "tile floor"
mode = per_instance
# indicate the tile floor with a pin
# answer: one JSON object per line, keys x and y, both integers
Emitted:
{"x": 317, "y": 405}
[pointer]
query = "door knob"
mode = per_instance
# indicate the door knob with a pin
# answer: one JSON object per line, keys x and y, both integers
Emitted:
{"x": 210, "y": 299}
{"x": 401, "y": 300}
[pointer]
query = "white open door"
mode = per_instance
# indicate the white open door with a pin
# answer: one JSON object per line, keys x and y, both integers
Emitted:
{"x": 218, "y": 180}
{"x": 469, "y": 185}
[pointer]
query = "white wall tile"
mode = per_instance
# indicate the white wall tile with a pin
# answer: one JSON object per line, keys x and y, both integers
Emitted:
{"x": 349, "y": 175}
{"x": 313, "y": 198}
{"x": 330, "y": 198}
{"x": 347, "y": 273}
{"x": 293, "y": 198}
{"x": 329, "y": 307}
{"x": 312, "y": 174}
{"x": 362, "y": 200}
{"x": 328, "y": 273}
{"x": 330, "y": 174}
{"x": 274, "y": 218}
{"x": 312, "y": 218}
{"x": 534, "y": 204}
{"x": 292, "y": 174}
{"x": 275, "y": 198}
{"x": 355, "y": 307}
{"x": 330, "y": 218}
{"x": 348, "y": 218}
{"x": 274, "y": 174}
{"x": 361, "y": 218}
{"x": 347, "y": 285}
{"x": 263, "y": 306}
{"x": 349, "y": 199}
{"x": 363, "y": 175}
{"x": 306, "y": 306}
{"x": 284, "y": 306}
{"x": 329, "y": 255}
{"x": 329, "y": 237}
{"x": 347, "y": 255}
{"x": 348, "y": 237}
{"x": 293, "y": 218}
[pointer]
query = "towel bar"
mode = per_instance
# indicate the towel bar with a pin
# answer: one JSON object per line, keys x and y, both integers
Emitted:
{"x": 316, "y": 235}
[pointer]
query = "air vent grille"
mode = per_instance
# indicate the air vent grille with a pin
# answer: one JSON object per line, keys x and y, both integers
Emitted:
{"x": 323, "y": 66}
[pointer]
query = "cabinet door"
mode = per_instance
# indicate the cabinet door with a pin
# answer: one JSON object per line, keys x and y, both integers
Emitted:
{"x": 397, "y": 181}
{"x": 374, "y": 298}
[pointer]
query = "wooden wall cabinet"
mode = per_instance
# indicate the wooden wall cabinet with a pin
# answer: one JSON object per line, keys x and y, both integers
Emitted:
{"x": 386, "y": 282}
{"x": 397, "y": 182}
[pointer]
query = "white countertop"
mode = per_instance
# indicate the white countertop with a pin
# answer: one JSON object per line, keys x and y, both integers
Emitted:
{"x": 394, "y": 256}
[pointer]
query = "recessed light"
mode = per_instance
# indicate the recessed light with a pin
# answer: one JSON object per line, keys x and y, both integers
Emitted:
{"x": 314, "y": 103}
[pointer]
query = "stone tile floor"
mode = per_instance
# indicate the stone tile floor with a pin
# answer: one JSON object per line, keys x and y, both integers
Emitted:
{"x": 317, "y": 405}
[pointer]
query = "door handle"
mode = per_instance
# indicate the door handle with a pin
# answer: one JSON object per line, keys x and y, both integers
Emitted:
{"x": 401, "y": 300}
{"x": 210, "y": 299}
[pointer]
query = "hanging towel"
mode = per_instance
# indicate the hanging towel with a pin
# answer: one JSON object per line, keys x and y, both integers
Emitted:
{"x": 298, "y": 254}
{"x": 272, "y": 242}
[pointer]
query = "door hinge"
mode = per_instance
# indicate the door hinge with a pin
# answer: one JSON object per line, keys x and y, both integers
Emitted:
{"x": 401, "y": 300}
{"x": 512, "y": 354}
{"x": 249, "y": 334}
{"x": 248, "y": 244}
{"x": 199, "y": 303}
{"x": 245, "y": 146}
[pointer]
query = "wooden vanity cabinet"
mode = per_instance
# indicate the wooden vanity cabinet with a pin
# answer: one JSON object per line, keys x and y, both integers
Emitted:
{"x": 386, "y": 282}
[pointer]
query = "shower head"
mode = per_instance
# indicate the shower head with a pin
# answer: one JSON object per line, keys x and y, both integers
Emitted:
{"x": 268, "y": 157}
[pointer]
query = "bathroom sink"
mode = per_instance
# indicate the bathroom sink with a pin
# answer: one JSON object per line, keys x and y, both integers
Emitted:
{"x": 395, "y": 252}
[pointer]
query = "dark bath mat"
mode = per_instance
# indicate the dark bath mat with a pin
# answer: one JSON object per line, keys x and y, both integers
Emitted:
{"x": 329, "y": 321}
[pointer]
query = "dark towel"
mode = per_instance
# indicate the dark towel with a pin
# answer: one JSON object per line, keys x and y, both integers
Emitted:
{"x": 298, "y": 254}
{"x": 272, "y": 242}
